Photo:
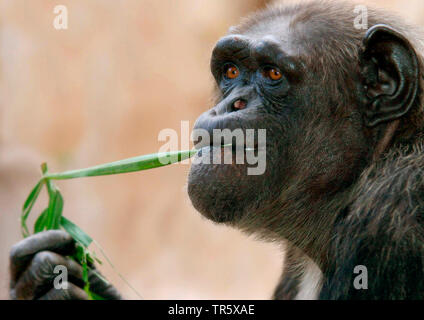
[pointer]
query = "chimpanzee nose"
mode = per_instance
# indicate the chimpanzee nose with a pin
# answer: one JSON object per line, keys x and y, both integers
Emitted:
{"x": 228, "y": 105}
{"x": 239, "y": 99}
{"x": 240, "y": 104}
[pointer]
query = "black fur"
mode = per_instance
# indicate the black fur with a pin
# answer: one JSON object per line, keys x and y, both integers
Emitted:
{"x": 344, "y": 184}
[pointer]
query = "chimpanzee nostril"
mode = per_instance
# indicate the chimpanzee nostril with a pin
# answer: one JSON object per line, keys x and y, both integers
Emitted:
{"x": 239, "y": 105}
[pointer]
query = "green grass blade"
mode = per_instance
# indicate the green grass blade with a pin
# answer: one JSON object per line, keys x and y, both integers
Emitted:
{"x": 29, "y": 203}
{"x": 84, "y": 265}
{"x": 76, "y": 232}
{"x": 51, "y": 188}
{"x": 55, "y": 210}
{"x": 51, "y": 218}
{"x": 40, "y": 223}
{"x": 95, "y": 296}
{"x": 33, "y": 195}
{"x": 145, "y": 162}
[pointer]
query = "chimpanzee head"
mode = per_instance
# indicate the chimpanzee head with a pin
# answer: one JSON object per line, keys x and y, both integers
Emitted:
{"x": 331, "y": 98}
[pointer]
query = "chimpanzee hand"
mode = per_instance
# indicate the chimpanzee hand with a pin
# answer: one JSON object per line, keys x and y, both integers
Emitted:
{"x": 32, "y": 264}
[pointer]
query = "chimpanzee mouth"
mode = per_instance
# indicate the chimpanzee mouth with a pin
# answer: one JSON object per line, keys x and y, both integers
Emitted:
{"x": 227, "y": 147}
{"x": 239, "y": 155}
{"x": 235, "y": 139}
{"x": 234, "y": 147}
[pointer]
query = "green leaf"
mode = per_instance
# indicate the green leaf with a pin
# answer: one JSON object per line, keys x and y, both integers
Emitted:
{"x": 83, "y": 257}
{"x": 55, "y": 210}
{"x": 29, "y": 202}
{"x": 51, "y": 218}
{"x": 85, "y": 270}
{"x": 76, "y": 232}
{"x": 33, "y": 195}
{"x": 40, "y": 223}
{"x": 51, "y": 188}
{"x": 85, "y": 274}
{"x": 145, "y": 162}
{"x": 95, "y": 296}
{"x": 79, "y": 252}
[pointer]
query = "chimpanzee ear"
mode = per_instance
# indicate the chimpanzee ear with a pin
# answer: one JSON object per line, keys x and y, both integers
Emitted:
{"x": 389, "y": 66}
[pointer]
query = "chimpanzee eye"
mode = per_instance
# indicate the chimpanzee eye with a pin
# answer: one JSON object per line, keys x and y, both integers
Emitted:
{"x": 231, "y": 71}
{"x": 272, "y": 73}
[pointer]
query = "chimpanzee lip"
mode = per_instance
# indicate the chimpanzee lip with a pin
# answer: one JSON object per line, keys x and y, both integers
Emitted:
{"x": 233, "y": 146}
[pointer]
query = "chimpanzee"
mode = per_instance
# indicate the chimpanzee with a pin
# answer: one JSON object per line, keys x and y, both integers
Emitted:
{"x": 343, "y": 186}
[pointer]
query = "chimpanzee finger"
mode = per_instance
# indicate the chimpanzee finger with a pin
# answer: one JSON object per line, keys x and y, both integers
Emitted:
{"x": 102, "y": 287}
{"x": 72, "y": 293}
{"x": 22, "y": 252}
{"x": 41, "y": 272}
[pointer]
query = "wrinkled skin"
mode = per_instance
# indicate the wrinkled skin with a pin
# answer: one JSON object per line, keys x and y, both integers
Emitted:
{"x": 342, "y": 109}
{"x": 347, "y": 98}
{"x": 33, "y": 261}
{"x": 316, "y": 144}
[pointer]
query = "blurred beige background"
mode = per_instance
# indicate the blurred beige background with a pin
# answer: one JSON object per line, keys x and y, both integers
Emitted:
{"x": 101, "y": 91}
